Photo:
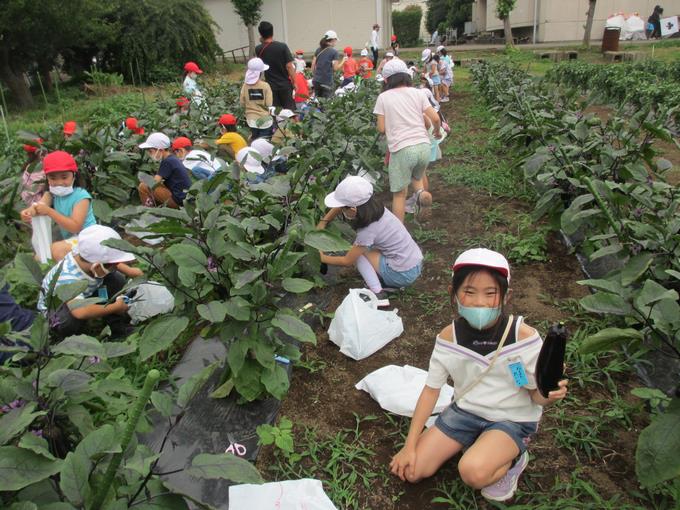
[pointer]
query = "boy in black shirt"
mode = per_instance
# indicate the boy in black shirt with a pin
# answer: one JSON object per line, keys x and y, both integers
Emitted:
{"x": 172, "y": 178}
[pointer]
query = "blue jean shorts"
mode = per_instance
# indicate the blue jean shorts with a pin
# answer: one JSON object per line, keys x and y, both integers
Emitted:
{"x": 466, "y": 427}
{"x": 398, "y": 279}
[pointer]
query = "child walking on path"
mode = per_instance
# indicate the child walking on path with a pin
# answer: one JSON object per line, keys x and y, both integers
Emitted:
{"x": 384, "y": 252}
{"x": 256, "y": 97}
{"x": 400, "y": 109}
{"x": 491, "y": 358}
{"x": 68, "y": 204}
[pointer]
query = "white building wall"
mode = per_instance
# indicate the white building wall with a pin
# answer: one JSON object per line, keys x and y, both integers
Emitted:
{"x": 302, "y": 23}
{"x": 564, "y": 20}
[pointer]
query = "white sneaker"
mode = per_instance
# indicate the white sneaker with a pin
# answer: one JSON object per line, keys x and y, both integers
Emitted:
{"x": 505, "y": 488}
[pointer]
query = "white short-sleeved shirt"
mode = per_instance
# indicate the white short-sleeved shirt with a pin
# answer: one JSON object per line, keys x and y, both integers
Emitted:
{"x": 403, "y": 109}
{"x": 495, "y": 397}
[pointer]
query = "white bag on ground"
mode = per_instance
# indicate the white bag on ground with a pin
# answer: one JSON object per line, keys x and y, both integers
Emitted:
{"x": 359, "y": 328}
{"x": 150, "y": 299}
{"x": 396, "y": 389}
{"x": 42, "y": 237}
{"x": 305, "y": 494}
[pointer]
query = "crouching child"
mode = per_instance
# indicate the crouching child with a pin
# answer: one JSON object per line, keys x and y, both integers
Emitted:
{"x": 104, "y": 269}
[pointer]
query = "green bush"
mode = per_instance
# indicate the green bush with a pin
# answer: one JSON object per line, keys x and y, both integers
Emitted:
{"x": 406, "y": 25}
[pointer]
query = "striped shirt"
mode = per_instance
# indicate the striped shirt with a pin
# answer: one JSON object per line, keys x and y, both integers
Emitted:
{"x": 71, "y": 272}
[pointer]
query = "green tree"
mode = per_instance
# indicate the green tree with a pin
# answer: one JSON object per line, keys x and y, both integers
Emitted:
{"x": 589, "y": 22}
{"x": 156, "y": 37}
{"x": 250, "y": 12}
{"x": 459, "y": 13}
{"x": 503, "y": 10}
{"x": 33, "y": 34}
{"x": 437, "y": 12}
{"x": 406, "y": 25}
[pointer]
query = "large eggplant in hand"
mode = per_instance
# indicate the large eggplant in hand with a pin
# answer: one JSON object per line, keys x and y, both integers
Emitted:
{"x": 550, "y": 364}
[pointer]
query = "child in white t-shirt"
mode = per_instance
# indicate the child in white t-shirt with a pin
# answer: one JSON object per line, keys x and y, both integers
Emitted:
{"x": 399, "y": 110}
{"x": 496, "y": 410}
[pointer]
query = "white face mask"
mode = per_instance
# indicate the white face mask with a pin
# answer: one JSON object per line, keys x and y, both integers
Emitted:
{"x": 61, "y": 191}
{"x": 99, "y": 270}
{"x": 157, "y": 156}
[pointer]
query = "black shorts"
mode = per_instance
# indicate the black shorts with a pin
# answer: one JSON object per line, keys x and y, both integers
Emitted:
{"x": 283, "y": 98}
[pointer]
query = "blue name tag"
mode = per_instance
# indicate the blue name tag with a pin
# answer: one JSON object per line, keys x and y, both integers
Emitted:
{"x": 518, "y": 374}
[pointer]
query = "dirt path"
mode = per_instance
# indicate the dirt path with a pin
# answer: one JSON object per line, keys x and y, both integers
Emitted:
{"x": 325, "y": 400}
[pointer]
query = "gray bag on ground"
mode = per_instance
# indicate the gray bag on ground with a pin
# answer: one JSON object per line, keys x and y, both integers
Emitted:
{"x": 148, "y": 300}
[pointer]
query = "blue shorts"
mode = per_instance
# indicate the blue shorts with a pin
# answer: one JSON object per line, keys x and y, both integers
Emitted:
{"x": 436, "y": 80}
{"x": 466, "y": 427}
{"x": 398, "y": 279}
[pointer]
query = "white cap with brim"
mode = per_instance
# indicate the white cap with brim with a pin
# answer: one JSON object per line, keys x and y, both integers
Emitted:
{"x": 285, "y": 114}
{"x": 250, "y": 159}
{"x": 426, "y": 54}
{"x": 393, "y": 67}
{"x": 330, "y": 35}
{"x": 156, "y": 141}
{"x": 364, "y": 52}
{"x": 485, "y": 258}
{"x": 352, "y": 191}
{"x": 255, "y": 67}
{"x": 91, "y": 249}
{"x": 440, "y": 48}
{"x": 263, "y": 147}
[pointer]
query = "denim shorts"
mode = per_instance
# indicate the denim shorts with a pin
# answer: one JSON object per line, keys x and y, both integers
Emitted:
{"x": 466, "y": 427}
{"x": 398, "y": 279}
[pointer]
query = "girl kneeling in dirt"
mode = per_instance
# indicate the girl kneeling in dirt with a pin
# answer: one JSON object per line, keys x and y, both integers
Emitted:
{"x": 491, "y": 358}
{"x": 384, "y": 251}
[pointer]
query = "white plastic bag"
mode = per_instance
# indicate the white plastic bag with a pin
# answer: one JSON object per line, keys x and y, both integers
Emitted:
{"x": 149, "y": 299}
{"x": 42, "y": 237}
{"x": 305, "y": 494}
{"x": 396, "y": 389}
{"x": 141, "y": 222}
{"x": 359, "y": 328}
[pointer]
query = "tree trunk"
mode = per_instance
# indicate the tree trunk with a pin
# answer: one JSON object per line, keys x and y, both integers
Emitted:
{"x": 251, "y": 41}
{"x": 507, "y": 29}
{"x": 590, "y": 15}
{"x": 45, "y": 70}
{"x": 21, "y": 93}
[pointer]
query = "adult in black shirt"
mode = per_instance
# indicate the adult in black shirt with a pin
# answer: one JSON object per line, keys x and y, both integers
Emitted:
{"x": 281, "y": 72}
{"x": 655, "y": 21}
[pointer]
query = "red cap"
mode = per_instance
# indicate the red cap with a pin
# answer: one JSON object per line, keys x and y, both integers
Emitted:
{"x": 131, "y": 123}
{"x": 182, "y": 101}
{"x": 59, "y": 161}
{"x": 394, "y": 38}
{"x": 181, "y": 142}
{"x": 347, "y": 51}
{"x": 299, "y": 52}
{"x": 70, "y": 127}
{"x": 33, "y": 148}
{"x": 192, "y": 67}
{"x": 227, "y": 120}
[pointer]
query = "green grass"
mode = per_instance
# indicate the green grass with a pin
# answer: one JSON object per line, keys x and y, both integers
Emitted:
{"x": 343, "y": 461}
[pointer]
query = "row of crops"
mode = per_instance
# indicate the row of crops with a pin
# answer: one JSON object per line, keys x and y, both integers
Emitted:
{"x": 603, "y": 184}
{"x": 71, "y": 411}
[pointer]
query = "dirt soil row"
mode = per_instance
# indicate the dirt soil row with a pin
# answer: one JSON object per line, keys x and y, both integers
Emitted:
{"x": 327, "y": 400}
